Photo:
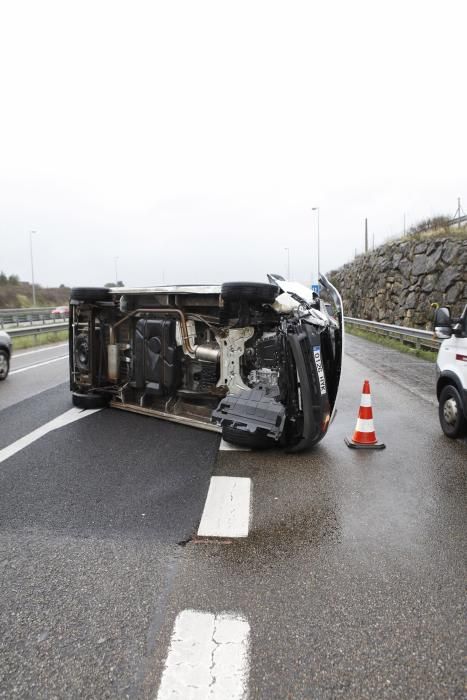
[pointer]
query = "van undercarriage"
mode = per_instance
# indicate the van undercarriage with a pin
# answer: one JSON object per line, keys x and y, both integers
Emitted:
{"x": 254, "y": 361}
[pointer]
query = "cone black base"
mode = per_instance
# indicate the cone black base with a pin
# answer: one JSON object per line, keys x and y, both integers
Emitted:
{"x": 356, "y": 446}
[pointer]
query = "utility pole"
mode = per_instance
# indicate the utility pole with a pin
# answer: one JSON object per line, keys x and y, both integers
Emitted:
{"x": 288, "y": 263}
{"x": 458, "y": 213}
{"x": 366, "y": 235}
{"x": 316, "y": 209}
{"x": 32, "y": 269}
{"x": 116, "y": 270}
{"x": 404, "y": 226}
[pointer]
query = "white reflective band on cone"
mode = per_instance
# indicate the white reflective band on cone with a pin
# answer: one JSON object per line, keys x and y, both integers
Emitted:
{"x": 365, "y": 400}
{"x": 365, "y": 425}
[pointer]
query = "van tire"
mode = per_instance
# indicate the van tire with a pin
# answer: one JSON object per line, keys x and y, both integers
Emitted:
{"x": 451, "y": 412}
{"x": 256, "y": 292}
{"x": 89, "y": 400}
{"x": 243, "y": 438}
{"x": 90, "y": 294}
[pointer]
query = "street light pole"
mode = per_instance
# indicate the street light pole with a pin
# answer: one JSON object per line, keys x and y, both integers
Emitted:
{"x": 316, "y": 209}
{"x": 288, "y": 263}
{"x": 32, "y": 269}
{"x": 116, "y": 270}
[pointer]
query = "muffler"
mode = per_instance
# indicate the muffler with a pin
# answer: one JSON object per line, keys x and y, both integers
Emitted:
{"x": 112, "y": 362}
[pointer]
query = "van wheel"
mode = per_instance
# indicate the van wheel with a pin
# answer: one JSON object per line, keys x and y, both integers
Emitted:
{"x": 243, "y": 438}
{"x": 90, "y": 294}
{"x": 451, "y": 412}
{"x": 89, "y": 400}
{"x": 256, "y": 292}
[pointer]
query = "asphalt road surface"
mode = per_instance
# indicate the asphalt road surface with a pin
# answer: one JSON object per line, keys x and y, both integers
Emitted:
{"x": 349, "y": 583}
{"x": 33, "y": 371}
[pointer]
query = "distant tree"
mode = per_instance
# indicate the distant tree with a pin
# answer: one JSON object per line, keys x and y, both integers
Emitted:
{"x": 114, "y": 284}
{"x": 3, "y": 278}
{"x": 13, "y": 279}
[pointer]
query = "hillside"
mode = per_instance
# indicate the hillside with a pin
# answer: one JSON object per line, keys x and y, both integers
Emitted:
{"x": 15, "y": 294}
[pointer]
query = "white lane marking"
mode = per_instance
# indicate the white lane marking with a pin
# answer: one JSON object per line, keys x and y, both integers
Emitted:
{"x": 32, "y": 352}
{"x": 230, "y": 446}
{"x": 227, "y": 509}
{"x": 38, "y": 364}
{"x": 64, "y": 419}
{"x": 208, "y": 658}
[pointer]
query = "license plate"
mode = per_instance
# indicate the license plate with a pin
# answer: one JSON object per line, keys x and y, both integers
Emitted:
{"x": 319, "y": 368}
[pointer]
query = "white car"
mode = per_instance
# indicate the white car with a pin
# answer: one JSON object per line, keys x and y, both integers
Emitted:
{"x": 5, "y": 354}
{"x": 259, "y": 363}
{"x": 451, "y": 367}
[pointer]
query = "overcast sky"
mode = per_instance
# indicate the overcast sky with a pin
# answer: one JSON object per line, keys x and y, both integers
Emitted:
{"x": 190, "y": 140}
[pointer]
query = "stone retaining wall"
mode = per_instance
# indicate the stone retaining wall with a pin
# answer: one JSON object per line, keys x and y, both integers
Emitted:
{"x": 397, "y": 282}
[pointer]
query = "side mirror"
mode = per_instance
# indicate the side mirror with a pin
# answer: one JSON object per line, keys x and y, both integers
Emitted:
{"x": 273, "y": 278}
{"x": 443, "y": 324}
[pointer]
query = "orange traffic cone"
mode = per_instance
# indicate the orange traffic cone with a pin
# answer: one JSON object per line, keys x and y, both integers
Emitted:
{"x": 364, "y": 436}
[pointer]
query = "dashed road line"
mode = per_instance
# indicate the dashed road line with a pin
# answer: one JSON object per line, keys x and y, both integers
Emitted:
{"x": 66, "y": 418}
{"x": 38, "y": 364}
{"x": 227, "y": 509}
{"x": 208, "y": 658}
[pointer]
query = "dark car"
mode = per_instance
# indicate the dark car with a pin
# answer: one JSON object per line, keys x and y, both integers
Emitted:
{"x": 259, "y": 363}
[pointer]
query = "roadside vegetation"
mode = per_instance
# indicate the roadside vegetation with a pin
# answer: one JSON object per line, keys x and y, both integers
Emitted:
{"x": 31, "y": 341}
{"x": 15, "y": 294}
{"x": 429, "y": 355}
{"x": 433, "y": 227}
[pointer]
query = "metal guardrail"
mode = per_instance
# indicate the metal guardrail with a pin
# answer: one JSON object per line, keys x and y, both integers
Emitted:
{"x": 37, "y": 330}
{"x": 28, "y": 309}
{"x": 16, "y": 317}
{"x": 416, "y": 337}
{"x": 8, "y": 325}
{"x": 457, "y": 220}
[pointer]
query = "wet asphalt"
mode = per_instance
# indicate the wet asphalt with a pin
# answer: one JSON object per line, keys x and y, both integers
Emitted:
{"x": 352, "y": 577}
{"x": 32, "y": 372}
{"x": 416, "y": 375}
